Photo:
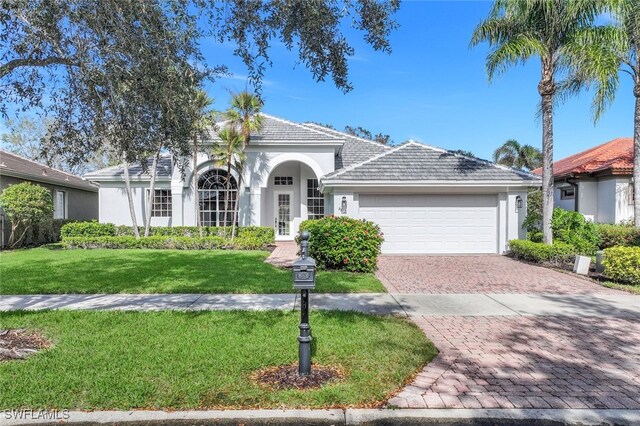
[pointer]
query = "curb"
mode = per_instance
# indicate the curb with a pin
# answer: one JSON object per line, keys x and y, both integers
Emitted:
{"x": 368, "y": 417}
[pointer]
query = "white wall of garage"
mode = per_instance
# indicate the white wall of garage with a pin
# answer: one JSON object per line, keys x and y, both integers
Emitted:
{"x": 440, "y": 221}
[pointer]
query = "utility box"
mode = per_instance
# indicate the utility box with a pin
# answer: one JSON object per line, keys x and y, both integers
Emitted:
{"x": 582, "y": 264}
{"x": 304, "y": 273}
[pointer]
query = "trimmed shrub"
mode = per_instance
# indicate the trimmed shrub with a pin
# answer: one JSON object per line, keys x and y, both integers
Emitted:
{"x": 572, "y": 228}
{"x": 88, "y": 229}
{"x": 618, "y": 235}
{"x": 25, "y": 204}
{"x": 344, "y": 243}
{"x": 558, "y": 254}
{"x": 155, "y": 242}
{"x": 622, "y": 264}
{"x": 248, "y": 238}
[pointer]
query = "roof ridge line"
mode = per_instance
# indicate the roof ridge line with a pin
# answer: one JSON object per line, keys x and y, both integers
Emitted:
{"x": 300, "y": 125}
{"x": 328, "y": 129}
{"x": 353, "y": 166}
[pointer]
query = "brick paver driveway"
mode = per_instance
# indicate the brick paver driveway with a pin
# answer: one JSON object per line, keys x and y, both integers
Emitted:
{"x": 528, "y": 362}
{"x": 516, "y": 361}
{"x": 477, "y": 274}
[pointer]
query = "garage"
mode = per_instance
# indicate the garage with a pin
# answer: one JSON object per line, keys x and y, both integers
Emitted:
{"x": 434, "y": 223}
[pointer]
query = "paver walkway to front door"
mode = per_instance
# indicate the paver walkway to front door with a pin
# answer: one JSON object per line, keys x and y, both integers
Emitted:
{"x": 516, "y": 361}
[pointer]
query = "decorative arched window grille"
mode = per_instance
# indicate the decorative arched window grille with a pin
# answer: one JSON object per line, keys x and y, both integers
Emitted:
{"x": 216, "y": 200}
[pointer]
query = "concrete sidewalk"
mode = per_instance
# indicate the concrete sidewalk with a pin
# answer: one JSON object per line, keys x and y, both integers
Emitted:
{"x": 338, "y": 417}
{"x": 435, "y": 305}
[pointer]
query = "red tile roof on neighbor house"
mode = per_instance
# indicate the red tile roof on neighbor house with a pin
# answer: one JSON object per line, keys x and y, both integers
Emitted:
{"x": 615, "y": 156}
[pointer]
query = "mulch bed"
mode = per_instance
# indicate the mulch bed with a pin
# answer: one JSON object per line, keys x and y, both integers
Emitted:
{"x": 20, "y": 343}
{"x": 287, "y": 377}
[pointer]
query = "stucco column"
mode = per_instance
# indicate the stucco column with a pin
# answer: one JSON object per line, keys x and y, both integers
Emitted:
{"x": 177, "y": 205}
{"x": 503, "y": 222}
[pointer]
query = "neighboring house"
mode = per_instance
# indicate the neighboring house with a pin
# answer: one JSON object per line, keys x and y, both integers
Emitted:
{"x": 425, "y": 199}
{"x": 73, "y": 197}
{"x": 597, "y": 182}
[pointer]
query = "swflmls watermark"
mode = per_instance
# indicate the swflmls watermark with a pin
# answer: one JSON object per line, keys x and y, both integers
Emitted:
{"x": 36, "y": 414}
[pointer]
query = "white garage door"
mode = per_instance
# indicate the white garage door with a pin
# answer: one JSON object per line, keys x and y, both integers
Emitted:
{"x": 434, "y": 223}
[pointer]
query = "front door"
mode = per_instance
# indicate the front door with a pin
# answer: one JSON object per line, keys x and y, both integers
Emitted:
{"x": 282, "y": 222}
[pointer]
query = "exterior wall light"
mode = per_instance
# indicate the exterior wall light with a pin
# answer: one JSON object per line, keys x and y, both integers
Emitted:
{"x": 343, "y": 205}
{"x": 519, "y": 203}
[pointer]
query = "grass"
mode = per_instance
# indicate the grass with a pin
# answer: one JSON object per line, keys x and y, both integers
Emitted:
{"x": 196, "y": 360}
{"x": 47, "y": 271}
{"x": 634, "y": 289}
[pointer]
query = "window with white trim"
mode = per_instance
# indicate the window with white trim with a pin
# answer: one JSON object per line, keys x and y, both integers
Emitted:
{"x": 161, "y": 203}
{"x": 315, "y": 200}
{"x": 59, "y": 204}
{"x": 283, "y": 180}
{"x": 630, "y": 194}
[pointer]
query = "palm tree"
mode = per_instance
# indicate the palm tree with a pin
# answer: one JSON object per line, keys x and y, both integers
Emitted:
{"x": 512, "y": 154}
{"x": 621, "y": 52}
{"x": 552, "y": 30}
{"x": 244, "y": 115}
{"x": 204, "y": 122}
{"x": 229, "y": 152}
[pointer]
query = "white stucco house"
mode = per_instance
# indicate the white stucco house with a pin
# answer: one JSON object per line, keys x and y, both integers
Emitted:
{"x": 597, "y": 182}
{"x": 425, "y": 199}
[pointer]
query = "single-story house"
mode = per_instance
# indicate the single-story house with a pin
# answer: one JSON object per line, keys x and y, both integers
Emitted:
{"x": 73, "y": 197}
{"x": 425, "y": 199}
{"x": 597, "y": 182}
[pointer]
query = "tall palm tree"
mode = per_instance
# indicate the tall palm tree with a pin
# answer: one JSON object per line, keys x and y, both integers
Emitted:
{"x": 621, "y": 53}
{"x": 205, "y": 120}
{"x": 244, "y": 115}
{"x": 512, "y": 154}
{"x": 229, "y": 153}
{"x": 551, "y": 30}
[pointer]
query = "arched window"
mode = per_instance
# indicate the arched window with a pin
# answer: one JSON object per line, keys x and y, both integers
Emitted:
{"x": 215, "y": 208}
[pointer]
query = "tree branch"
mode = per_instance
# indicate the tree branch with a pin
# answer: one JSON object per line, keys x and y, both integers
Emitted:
{"x": 10, "y": 66}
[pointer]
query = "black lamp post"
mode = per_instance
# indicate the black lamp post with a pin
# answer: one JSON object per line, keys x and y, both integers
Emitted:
{"x": 304, "y": 278}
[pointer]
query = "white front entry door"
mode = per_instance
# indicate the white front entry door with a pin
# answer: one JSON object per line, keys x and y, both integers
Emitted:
{"x": 435, "y": 224}
{"x": 283, "y": 217}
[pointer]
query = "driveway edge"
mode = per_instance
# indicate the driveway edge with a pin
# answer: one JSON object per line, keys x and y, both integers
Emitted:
{"x": 332, "y": 417}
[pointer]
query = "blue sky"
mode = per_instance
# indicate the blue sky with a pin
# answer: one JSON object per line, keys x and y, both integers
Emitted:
{"x": 432, "y": 88}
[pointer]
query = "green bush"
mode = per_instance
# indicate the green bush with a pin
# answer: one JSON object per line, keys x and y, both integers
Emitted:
{"x": 533, "y": 220}
{"x": 618, "y": 235}
{"x": 572, "y": 228}
{"x": 622, "y": 264}
{"x": 154, "y": 242}
{"x": 251, "y": 237}
{"x": 558, "y": 254}
{"x": 344, "y": 243}
{"x": 88, "y": 229}
{"x": 25, "y": 204}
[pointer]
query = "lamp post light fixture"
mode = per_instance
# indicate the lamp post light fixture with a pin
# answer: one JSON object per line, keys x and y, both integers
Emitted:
{"x": 304, "y": 279}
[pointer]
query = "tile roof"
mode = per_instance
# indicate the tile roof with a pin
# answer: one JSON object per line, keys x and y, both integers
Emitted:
{"x": 20, "y": 167}
{"x": 414, "y": 161}
{"x": 164, "y": 169}
{"x": 278, "y": 130}
{"x": 615, "y": 156}
{"x": 355, "y": 150}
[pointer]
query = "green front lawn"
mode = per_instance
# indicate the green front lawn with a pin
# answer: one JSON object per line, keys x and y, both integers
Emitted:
{"x": 47, "y": 271}
{"x": 195, "y": 360}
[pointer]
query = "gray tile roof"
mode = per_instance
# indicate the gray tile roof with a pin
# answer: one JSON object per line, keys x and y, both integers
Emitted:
{"x": 278, "y": 130}
{"x": 20, "y": 167}
{"x": 413, "y": 161}
{"x": 355, "y": 150}
{"x": 164, "y": 169}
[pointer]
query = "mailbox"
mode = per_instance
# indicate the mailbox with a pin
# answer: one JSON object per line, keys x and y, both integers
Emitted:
{"x": 304, "y": 273}
{"x": 304, "y": 268}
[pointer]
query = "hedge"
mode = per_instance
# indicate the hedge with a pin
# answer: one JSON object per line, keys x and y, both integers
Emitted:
{"x": 558, "y": 254}
{"x": 618, "y": 235}
{"x": 622, "y": 264}
{"x": 155, "y": 242}
{"x": 248, "y": 237}
{"x": 43, "y": 232}
{"x": 344, "y": 243}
